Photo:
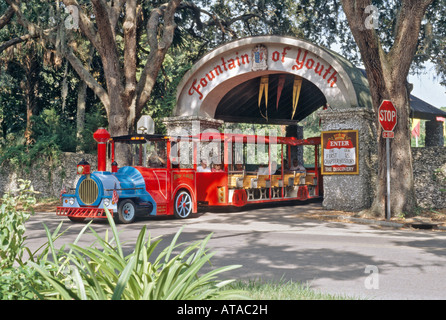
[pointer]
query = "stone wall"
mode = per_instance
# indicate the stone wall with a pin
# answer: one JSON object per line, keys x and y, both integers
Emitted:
{"x": 429, "y": 166}
{"x": 352, "y": 192}
{"x": 48, "y": 177}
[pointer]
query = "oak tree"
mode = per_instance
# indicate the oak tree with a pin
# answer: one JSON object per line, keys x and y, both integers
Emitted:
{"x": 114, "y": 28}
{"x": 387, "y": 70}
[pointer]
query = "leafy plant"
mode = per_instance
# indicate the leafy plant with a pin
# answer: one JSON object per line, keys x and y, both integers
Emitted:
{"x": 16, "y": 279}
{"x": 106, "y": 273}
{"x": 14, "y": 212}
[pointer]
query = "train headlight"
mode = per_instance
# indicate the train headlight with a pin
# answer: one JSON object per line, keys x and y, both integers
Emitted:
{"x": 71, "y": 201}
{"x": 106, "y": 202}
{"x": 83, "y": 167}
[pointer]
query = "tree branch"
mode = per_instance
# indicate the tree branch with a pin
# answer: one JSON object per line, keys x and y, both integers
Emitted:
{"x": 86, "y": 76}
{"x": 108, "y": 50}
{"x": 85, "y": 24}
{"x": 6, "y": 17}
{"x": 222, "y": 24}
{"x": 130, "y": 56}
{"x": 115, "y": 10}
{"x": 157, "y": 50}
{"x": 372, "y": 54}
{"x": 32, "y": 28}
{"x": 130, "y": 45}
{"x": 5, "y": 45}
{"x": 407, "y": 31}
{"x": 49, "y": 35}
{"x": 105, "y": 29}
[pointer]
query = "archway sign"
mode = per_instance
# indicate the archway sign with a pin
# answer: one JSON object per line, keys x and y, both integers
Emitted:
{"x": 234, "y": 63}
{"x": 224, "y": 85}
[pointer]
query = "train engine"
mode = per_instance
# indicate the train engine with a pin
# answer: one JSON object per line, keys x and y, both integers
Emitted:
{"x": 123, "y": 192}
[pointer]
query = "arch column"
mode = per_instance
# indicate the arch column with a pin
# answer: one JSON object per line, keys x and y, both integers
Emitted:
{"x": 298, "y": 151}
{"x": 347, "y": 192}
{"x": 434, "y": 134}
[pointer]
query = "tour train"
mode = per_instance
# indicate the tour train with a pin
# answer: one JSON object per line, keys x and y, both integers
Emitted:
{"x": 167, "y": 175}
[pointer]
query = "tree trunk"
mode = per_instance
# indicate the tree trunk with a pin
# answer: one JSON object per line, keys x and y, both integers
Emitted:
{"x": 123, "y": 97}
{"x": 387, "y": 75}
{"x": 402, "y": 193}
{"x": 30, "y": 88}
{"x": 80, "y": 113}
{"x": 81, "y": 103}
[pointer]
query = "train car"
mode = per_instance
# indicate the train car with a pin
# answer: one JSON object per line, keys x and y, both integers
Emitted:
{"x": 167, "y": 175}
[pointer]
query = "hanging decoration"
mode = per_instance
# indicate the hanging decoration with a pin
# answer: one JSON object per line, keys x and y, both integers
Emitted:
{"x": 296, "y": 92}
{"x": 416, "y": 130}
{"x": 416, "y": 127}
{"x": 280, "y": 88}
{"x": 264, "y": 87}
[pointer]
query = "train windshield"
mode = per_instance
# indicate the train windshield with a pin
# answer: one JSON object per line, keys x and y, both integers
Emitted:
{"x": 156, "y": 154}
{"x": 144, "y": 150}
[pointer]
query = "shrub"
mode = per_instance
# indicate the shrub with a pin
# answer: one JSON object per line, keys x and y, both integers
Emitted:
{"x": 106, "y": 273}
{"x": 14, "y": 212}
{"x": 100, "y": 273}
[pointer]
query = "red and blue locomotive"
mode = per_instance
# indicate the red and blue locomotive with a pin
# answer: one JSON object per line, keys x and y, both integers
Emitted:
{"x": 158, "y": 183}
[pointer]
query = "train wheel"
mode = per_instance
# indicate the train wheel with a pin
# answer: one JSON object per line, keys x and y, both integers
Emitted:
{"x": 126, "y": 211}
{"x": 182, "y": 205}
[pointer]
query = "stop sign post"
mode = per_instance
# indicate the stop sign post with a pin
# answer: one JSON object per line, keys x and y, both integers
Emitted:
{"x": 387, "y": 118}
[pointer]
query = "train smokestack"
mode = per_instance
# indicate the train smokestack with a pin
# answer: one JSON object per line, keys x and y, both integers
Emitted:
{"x": 101, "y": 136}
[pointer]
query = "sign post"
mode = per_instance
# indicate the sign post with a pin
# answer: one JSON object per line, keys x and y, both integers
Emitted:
{"x": 387, "y": 118}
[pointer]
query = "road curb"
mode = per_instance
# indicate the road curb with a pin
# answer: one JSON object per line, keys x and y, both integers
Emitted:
{"x": 371, "y": 221}
{"x": 415, "y": 225}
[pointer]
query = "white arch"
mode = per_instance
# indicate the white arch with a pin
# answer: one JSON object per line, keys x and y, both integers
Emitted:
{"x": 206, "y": 83}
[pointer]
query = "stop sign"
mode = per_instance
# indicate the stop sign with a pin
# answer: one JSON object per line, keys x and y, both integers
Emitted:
{"x": 387, "y": 115}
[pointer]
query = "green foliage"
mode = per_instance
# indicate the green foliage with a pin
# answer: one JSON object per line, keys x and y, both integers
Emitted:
{"x": 92, "y": 273}
{"x": 51, "y": 135}
{"x": 16, "y": 279}
{"x": 103, "y": 271}
{"x": 15, "y": 284}
{"x": 14, "y": 212}
{"x": 19, "y": 280}
{"x": 49, "y": 126}
{"x": 93, "y": 120}
{"x": 100, "y": 271}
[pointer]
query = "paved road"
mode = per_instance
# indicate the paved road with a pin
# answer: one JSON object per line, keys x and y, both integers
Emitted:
{"x": 363, "y": 261}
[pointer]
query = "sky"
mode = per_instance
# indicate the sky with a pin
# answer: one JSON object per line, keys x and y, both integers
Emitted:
{"x": 427, "y": 88}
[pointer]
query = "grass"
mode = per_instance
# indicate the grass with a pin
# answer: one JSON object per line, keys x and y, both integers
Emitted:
{"x": 281, "y": 290}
